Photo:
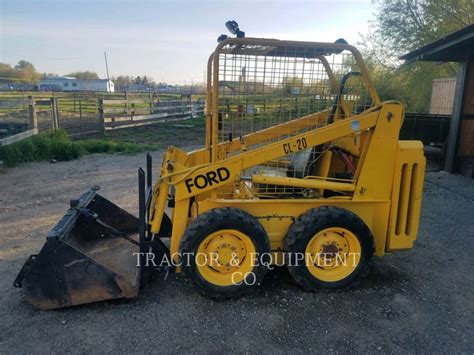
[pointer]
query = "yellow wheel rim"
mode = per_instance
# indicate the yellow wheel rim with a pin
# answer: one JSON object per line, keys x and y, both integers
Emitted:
{"x": 332, "y": 254}
{"x": 224, "y": 258}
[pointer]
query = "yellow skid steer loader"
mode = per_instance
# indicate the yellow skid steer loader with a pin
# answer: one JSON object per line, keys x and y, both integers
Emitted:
{"x": 302, "y": 166}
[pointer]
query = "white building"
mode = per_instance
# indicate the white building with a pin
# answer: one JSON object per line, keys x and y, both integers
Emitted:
{"x": 67, "y": 83}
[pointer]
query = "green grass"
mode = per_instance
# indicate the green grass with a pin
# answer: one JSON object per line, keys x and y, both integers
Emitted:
{"x": 57, "y": 145}
{"x": 181, "y": 134}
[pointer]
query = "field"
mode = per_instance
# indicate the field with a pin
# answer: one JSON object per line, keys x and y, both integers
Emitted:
{"x": 417, "y": 302}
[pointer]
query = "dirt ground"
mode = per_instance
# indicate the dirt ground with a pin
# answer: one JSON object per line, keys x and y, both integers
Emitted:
{"x": 417, "y": 301}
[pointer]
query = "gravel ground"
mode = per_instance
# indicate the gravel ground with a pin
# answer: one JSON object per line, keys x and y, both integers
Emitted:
{"x": 418, "y": 301}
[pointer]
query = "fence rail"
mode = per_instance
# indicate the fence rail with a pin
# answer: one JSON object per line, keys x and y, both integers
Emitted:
{"x": 136, "y": 113}
{"x": 18, "y": 137}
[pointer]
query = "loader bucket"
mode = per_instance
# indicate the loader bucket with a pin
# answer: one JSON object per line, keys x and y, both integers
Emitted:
{"x": 90, "y": 255}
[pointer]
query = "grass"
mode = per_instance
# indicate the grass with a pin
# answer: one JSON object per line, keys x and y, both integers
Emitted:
{"x": 57, "y": 145}
{"x": 178, "y": 133}
{"x": 90, "y": 146}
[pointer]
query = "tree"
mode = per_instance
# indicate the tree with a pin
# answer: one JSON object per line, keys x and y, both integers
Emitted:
{"x": 6, "y": 72}
{"x": 402, "y": 26}
{"x": 144, "y": 81}
{"x": 84, "y": 75}
{"x": 25, "y": 65}
{"x": 24, "y": 71}
{"x": 122, "y": 82}
{"x": 410, "y": 84}
{"x": 27, "y": 71}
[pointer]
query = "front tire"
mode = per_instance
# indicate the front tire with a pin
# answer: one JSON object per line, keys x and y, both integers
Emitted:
{"x": 337, "y": 247}
{"x": 221, "y": 252}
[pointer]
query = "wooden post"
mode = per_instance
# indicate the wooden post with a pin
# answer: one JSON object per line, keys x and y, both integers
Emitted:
{"x": 455, "y": 122}
{"x": 101, "y": 117}
{"x": 54, "y": 114}
{"x": 127, "y": 106}
{"x": 32, "y": 113}
{"x": 132, "y": 110}
{"x": 51, "y": 105}
{"x": 80, "y": 116}
{"x": 150, "y": 98}
{"x": 57, "y": 112}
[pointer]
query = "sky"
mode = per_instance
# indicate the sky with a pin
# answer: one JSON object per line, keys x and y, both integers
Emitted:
{"x": 167, "y": 40}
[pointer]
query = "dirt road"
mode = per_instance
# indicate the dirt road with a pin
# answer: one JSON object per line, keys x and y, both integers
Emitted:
{"x": 418, "y": 301}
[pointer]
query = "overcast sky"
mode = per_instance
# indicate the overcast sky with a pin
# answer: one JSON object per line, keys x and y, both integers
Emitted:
{"x": 169, "y": 41}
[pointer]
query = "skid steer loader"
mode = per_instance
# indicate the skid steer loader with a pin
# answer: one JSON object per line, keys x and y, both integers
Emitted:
{"x": 302, "y": 166}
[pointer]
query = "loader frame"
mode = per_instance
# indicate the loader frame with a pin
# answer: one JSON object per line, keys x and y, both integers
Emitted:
{"x": 386, "y": 189}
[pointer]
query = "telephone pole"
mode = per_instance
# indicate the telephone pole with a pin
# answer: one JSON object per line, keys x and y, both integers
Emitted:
{"x": 106, "y": 65}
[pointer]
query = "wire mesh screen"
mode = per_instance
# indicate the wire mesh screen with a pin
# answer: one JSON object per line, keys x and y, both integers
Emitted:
{"x": 270, "y": 93}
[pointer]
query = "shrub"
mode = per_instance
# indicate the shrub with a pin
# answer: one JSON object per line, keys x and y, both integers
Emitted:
{"x": 44, "y": 146}
{"x": 57, "y": 145}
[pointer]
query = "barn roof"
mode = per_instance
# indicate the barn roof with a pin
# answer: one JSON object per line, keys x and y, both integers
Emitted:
{"x": 455, "y": 47}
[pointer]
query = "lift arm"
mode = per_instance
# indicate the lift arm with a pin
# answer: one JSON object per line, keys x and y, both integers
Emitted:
{"x": 190, "y": 182}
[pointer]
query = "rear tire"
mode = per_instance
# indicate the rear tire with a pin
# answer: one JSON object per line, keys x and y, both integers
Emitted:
{"x": 337, "y": 247}
{"x": 217, "y": 250}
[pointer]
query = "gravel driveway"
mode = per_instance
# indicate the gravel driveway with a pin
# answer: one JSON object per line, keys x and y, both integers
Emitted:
{"x": 418, "y": 301}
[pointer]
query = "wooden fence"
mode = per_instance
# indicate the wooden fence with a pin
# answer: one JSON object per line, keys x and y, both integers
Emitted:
{"x": 120, "y": 114}
{"x": 92, "y": 116}
{"x": 31, "y": 125}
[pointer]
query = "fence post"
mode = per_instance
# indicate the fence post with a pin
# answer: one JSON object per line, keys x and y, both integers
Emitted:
{"x": 57, "y": 112}
{"x": 127, "y": 107}
{"x": 150, "y": 99}
{"x": 80, "y": 116}
{"x": 101, "y": 117}
{"x": 32, "y": 113}
{"x": 54, "y": 114}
